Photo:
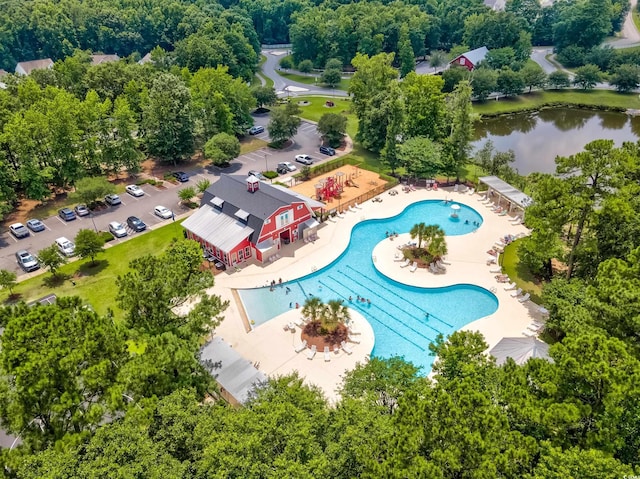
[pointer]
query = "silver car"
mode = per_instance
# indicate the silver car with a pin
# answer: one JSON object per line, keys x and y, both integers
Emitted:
{"x": 162, "y": 212}
{"x": 117, "y": 229}
{"x": 27, "y": 261}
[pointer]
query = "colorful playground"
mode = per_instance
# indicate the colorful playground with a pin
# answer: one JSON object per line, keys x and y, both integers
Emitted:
{"x": 340, "y": 187}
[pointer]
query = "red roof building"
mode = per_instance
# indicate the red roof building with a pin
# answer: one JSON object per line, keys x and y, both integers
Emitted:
{"x": 243, "y": 218}
{"x": 471, "y": 59}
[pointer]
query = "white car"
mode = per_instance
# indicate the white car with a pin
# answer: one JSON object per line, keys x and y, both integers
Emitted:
{"x": 66, "y": 247}
{"x": 304, "y": 159}
{"x": 117, "y": 229}
{"x": 162, "y": 212}
{"x": 134, "y": 190}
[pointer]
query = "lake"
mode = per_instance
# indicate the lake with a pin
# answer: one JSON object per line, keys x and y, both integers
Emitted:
{"x": 538, "y": 137}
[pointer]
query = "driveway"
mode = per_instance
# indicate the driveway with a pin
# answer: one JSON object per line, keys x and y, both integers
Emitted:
{"x": 285, "y": 87}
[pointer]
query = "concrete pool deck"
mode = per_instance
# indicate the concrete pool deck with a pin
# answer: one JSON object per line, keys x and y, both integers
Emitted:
{"x": 273, "y": 350}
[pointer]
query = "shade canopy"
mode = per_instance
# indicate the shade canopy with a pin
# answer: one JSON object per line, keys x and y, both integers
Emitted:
{"x": 520, "y": 349}
{"x": 455, "y": 207}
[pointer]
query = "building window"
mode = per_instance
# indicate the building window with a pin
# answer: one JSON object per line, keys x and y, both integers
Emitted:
{"x": 247, "y": 252}
{"x": 299, "y": 207}
{"x": 463, "y": 61}
{"x": 240, "y": 255}
{"x": 284, "y": 219}
{"x": 267, "y": 221}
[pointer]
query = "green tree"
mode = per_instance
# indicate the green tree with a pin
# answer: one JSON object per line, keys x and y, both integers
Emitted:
{"x": 334, "y": 314}
{"x": 49, "y": 257}
{"x": 333, "y": 128}
{"x": 418, "y": 231}
{"x": 203, "y": 185}
{"x": 501, "y": 58}
{"x": 305, "y": 66}
{"x": 264, "y": 95}
{"x": 222, "y": 148}
{"x": 185, "y": 194}
{"x": 286, "y": 63}
{"x": 533, "y": 76}
{"x": 461, "y": 121}
{"x": 587, "y": 76}
{"x": 331, "y": 77}
{"x": 510, "y": 83}
{"x": 484, "y": 82}
{"x": 421, "y": 157}
{"x": 559, "y": 79}
{"x": 495, "y": 163}
{"x": 89, "y": 244}
{"x": 312, "y": 308}
{"x": 626, "y": 78}
{"x": 453, "y": 76}
{"x": 437, "y": 59}
{"x": 406, "y": 55}
{"x": 283, "y": 125}
{"x": 582, "y": 24}
{"x": 92, "y": 188}
{"x": 55, "y": 381}
{"x": 556, "y": 463}
{"x": 8, "y": 280}
{"x": 373, "y": 75}
{"x": 168, "y": 119}
{"x": 424, "y": 106}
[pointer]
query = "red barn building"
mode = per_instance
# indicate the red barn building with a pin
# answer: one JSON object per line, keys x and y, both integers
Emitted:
{"x": 242, "y": 218}
{"x": 470, "y": 60}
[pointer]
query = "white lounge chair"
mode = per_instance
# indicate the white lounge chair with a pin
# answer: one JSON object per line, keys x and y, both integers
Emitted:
{"x": 497, "y": 269}
{"x": 511, "y": 287}
{"x": 327, "y": 354}
{"x": 346, "y": 348}
{"x": 414, "y": 267}
{"x": 482, "y": 197}
{"x": 472, "y": 191}
{"x": 302, "y": 346}
{"x": 456, "y": 187}
{"x": 516, "y": 223}
{"x": 535, "y": 327}
{"x": 298, "y": 322}
{"x": 517, "y": 218}
{"x": 529, "y": 333}
{"x": 354, "y": 332}
{"x": 516, "y": 293}
{"x": 351, "y": 208}
{"x": 358, "y": 206}
{"x": 406, "y": 263}
{"x": 312, "y": 352}
{"x": 491, "y": 260}
{"x": 443, "y": 261}
{"x": 525, "y": 298}
{"x": 354, "y": 340}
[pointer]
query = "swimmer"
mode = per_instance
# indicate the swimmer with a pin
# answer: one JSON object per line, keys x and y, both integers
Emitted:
{"x": 350, "y": 299}
{"x": 466, "y": 222}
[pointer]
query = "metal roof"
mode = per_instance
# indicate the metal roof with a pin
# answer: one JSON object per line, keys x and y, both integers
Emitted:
{"x": 504, "y": 189}
{"x": 520, "y": 349}
{"x": 219, "y": 229}
{"x": 474, "y": 56}
{"x": 233, "y": 372}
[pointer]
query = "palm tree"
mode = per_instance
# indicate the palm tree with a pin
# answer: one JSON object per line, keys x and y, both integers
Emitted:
{"x": 436, "y": 243}
{"x": 418, "y": 230}
{"x": 334, "y": 313}
{"x": 312, "y": 308}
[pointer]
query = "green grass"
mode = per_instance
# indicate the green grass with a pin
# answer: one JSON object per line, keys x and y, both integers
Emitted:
{"x": 519, "y": 273}
{"x": 595, "y": 98}
{"x": 97, "y": 284}
{"x": 250, "y": 144}
{"x": 311, "y": 80}
{"x": 636, "y": 18}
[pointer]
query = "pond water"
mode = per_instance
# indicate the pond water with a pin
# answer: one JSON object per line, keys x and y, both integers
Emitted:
{"x": 538, "y": 137}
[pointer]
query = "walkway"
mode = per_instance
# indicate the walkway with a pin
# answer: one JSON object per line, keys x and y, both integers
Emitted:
{"x": 272, "y": 348}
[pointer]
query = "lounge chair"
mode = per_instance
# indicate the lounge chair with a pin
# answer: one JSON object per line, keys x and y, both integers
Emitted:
{"x": 491, "y": 260}
{"x": 351, "y": 208}
{"x": 471, "y": 191}
{"x": 346, "y": 348}
{"x": 302, "y": 346}
{"x": 406, "y": 263}
{"x": 312, "y": 352}
{"x": 529, "y": 333}
{"x": 354, "y": 332}
{"x": 483, "y": 197}
{"x": 414, "y": 267}
{"x": 441, "y": 266}
{"x": 517, "y": 218}
{"x": 327, "y": 354}
{"x": 358, "y": 206}
{"x": 463, "y": 189}
{"x": 535, "y": 327}
{"x": 456, "y": 187}
{"x": 525, "y": 298}
{"x": 443, "y": 261}
{"x": 511, "y": 287}
{"x": 354, "y": 340}
{"x": 516, "y": 293}
{"x": 497, "y": 269}
{"x": 516, "y": 223}
{"x": 298, "y": 322}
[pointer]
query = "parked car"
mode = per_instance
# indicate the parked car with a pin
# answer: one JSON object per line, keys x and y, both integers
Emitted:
{"x": 162, "y": 212}
{"x": 66, "y": 214}
{"x": 117, "y": 229}
{"x": 257, "y": 174}
{"x": 304, "y": 159}
{"x": 66, "y": 247}
{"x": 81, "y": 210}
{"x": 27, "y": 261}
{"x": 286, "y": 167}
{"x": 112, "y": 199}
{"x": 256, "y": 129}
{"x": 19, "y": 230}
{"x": 134, "y": 190}
{"x": 136, "y": 224}
{"x": 181, "y": 176}
{"x": 327, "y": 150}
{"x": 35, "y": 225}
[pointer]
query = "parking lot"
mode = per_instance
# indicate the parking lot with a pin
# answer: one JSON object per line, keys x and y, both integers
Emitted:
{"x": 307, "y": 141}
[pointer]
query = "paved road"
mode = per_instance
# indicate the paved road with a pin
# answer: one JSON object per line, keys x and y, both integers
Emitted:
{"x": 306, "y": 141}
{"x": 284, "y": 86}
{"x": 538, "y": 55}
{"x": 629, "y": 35}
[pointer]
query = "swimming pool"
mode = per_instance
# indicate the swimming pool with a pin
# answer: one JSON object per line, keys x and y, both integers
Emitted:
{"x": 398, "y": 312}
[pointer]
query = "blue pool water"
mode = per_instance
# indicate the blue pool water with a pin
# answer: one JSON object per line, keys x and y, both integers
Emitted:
{"x": 397, "y": 313}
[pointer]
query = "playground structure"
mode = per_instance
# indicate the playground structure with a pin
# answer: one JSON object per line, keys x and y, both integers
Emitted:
{"x": 332, "y": 186}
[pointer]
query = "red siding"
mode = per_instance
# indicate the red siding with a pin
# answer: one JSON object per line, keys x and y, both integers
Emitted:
{"x": 463, "y": 62}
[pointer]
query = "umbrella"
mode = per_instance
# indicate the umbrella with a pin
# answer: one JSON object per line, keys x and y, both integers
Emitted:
{"x": 520, "y": 349}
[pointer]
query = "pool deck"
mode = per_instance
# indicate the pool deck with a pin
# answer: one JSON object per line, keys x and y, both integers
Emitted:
{"x": 272, "y": 348}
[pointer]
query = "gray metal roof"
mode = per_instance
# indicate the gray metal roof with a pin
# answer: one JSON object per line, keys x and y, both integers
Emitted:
{"x": 219, "y": 229}
{"x": 474, "y": 56}
{"x": 233, "y": 372}
{"x": 503, "y": 188}
{"x": 520, "y": 349}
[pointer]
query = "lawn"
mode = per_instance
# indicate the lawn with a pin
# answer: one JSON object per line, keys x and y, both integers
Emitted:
{"x": 636, "y": 18}
{"x": 519, "y": 273}
{"x": 315, "y": 80}
{"x": 249, "y": 144}
{"x": 532, "y": 101}
{"x": 97, "y": 284}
